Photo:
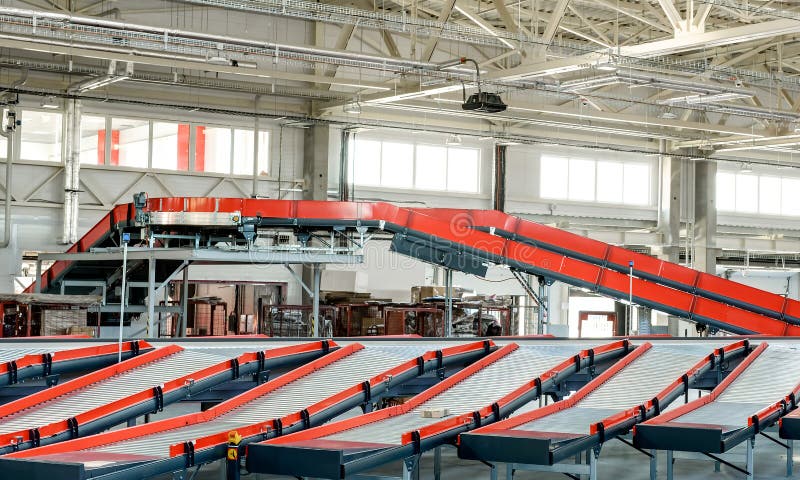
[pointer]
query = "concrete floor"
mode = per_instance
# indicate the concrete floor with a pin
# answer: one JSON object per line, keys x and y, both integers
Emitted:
{"x": 617, "y": 462}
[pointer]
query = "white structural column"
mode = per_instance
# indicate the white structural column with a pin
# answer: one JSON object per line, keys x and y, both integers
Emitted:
{"x": 72, "y": 166}
{"x": 705, "y": 214}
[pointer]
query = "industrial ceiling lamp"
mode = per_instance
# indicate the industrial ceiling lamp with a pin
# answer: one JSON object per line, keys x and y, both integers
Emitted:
{"x": 453, "y": 140}
{"x": 49, "y": 103}
{"x": 746, "y": 168}
{"x": 485, "y": 102}
{"x": 353, "y": 106}
{"x": 667, "y": 114}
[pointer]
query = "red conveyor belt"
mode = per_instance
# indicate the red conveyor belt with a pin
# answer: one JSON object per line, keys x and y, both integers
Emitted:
{"x": 521, "y": 244}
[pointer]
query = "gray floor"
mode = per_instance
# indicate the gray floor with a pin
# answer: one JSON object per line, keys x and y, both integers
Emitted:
{"x": 617, "y": 462}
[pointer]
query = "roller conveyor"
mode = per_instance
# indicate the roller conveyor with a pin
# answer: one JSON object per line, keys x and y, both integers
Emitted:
{"x": 24, "y": 362}
{"x": 634, "y": 389}
{"x": 482, "y": 393}
{"x": 761, "y": 390}
{"x": 468, "y": 240}
{"x": 304, "y": 397}
{"x": 144, "y": 384}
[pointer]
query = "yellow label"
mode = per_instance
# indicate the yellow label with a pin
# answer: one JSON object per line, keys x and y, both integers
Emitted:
{"x": 233, "y": 453}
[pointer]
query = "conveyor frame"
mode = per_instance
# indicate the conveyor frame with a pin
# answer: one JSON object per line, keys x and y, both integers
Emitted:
{"x": 545, "y": 451}
{"x": 461, "y": 239}
{"x": 282, "y": 456}
{"x": 149, "y": 400}
{"x": 211, "y": 448}
{"x": 662, "y": 433}
{"x": 67, "y": 361}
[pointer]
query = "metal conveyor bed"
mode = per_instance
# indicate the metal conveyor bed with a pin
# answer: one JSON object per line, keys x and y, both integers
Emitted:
{"x": 493, "y": 387}
{"x": 307, "y": 396}
{"x": 752, "y": 398}
{"x": 143, "y": 384}
{"x": 634, "y": 389}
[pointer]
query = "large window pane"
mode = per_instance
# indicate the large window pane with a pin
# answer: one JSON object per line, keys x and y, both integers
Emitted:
{"x": 769, "y": 195}
{"x": 553, "y": 177}
{"x": 367, "y": 163}
{"x": 790, "y": 196}
{"x": 726, "y": 192}
{"x": 609, "y": 182}
{"x": 636, "y": 190}
{"x": 397, "y": 165}
{"x": 93, "y": 140}
{"x": 431, "y": 168}
{"x": 129, "y": 142}
{"x": 212, "y": 149}
{"x": 581, "y": 179}
{"x": 462, "y": 169}
{"x": 41, "y": 136}
{"x": 243, "y": 152}
{"x": 170, "y": 146}
{"x": 746, "y": 193}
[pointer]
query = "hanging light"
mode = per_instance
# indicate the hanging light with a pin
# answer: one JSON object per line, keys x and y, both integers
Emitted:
{"x": 49, "y": 102}
{"x": 453, "y": 140}
{"x": 746, "y": 168}
{"x": 352, "y": 106}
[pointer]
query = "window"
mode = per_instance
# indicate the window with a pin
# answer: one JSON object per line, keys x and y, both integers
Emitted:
{"x": 758, "y": 194}
{"x": 212, "y": 149}
{"x": 589, "y": 180}
{"x": 243, "y": 152}
{"x": 170, "y": 146}
{"x": 397, "y": 165}
{"x": 431, "y": 171}
{"x": 41, "y": 136}
{"x": 424, "y": 167}
{"x": 93, "y": 140}
{"x": 130, "y": 140}
{"x": 463, "y": 165}
{"x": 367, "y": 163}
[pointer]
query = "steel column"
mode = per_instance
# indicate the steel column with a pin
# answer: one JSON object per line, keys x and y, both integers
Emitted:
{"x": 705, "y": 216}
{"x": 543, "y": 312}
{"x": 448, "y": 296}
{"x": 38, "y": 281}
{"x": 315, "y": 300}
{"x": 750, "y": 463}
{"x": 151, "y": 298}
{"x": 499, "y": 180}
{"x": 437, "y": 463}
{"x": 183, "y": 322}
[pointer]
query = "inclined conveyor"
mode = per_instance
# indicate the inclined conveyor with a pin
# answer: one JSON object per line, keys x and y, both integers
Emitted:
{"x": 480, "y": 394}
{"x": 137, "y": 386}
{"x": 755, "y": 396}
{"x": 41, "y": 360}
{"x": 467, "y": 240}
{"x": 634, "y": 389}
{"x": 304, "y": 397}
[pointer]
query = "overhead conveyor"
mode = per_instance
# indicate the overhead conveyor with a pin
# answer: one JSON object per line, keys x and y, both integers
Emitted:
{"x": 634, "y": 389}
{"x": 467, "y": 240}
{"x": 138, "y": 386}
{"x": 304, "y": 397}
{"x": 17, "y": 365}
{"x": 756, "y": 394}
{"x": 482, "y": 393}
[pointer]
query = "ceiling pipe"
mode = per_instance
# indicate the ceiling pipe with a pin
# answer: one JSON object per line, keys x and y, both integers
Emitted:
{"x": 166, "y": 33}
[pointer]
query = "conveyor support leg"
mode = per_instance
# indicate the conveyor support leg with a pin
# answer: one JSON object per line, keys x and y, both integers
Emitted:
{"x": 750, "y": 463}
{"x": 594, "y": 455}
{"x": 437, "y": 463}
{"x": 789, "y": 458}
{"x": 131, "y": 422}
{"x": 411, "y": 468}
{"x": 670, "y": 464}
{"x": 654, "y": 464}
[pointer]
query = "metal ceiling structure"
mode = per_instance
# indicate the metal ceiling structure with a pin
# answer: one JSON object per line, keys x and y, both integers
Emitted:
{"x": 386, "y": 57}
